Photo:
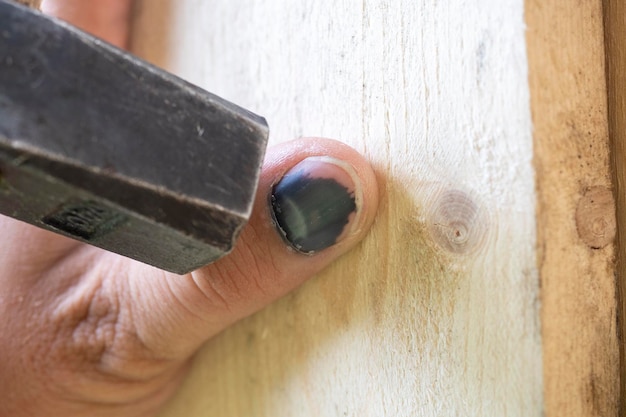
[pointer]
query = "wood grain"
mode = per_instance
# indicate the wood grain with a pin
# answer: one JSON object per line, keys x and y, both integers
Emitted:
{"x": 615, "y": 41}
{"x": 436, "y": 313}
{"x": 568, "y": 100}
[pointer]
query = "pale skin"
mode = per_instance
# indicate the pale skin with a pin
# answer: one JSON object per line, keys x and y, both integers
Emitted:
{"x": 89, "y": 333}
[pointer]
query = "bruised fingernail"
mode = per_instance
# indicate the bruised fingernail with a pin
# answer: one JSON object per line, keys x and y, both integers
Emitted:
{"x": 314, "y": 204}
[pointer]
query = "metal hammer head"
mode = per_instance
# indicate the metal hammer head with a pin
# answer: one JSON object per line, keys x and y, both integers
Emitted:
{"x": 102, "y": 147}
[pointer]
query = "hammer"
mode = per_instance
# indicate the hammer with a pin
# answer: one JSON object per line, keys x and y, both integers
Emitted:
{"x": 102, "y": 147}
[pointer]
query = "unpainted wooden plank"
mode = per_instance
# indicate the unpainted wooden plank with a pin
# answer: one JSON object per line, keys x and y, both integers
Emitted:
{"x": 615, "y": 43}
{"x": 436, "y": 312}
{"x": 575, "y": 212}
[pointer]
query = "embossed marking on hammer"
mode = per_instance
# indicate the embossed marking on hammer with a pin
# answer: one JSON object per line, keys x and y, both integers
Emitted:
{"x": 84, "y": 219}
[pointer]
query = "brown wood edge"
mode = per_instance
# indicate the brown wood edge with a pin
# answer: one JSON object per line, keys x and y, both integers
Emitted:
{"x": 614, "y": 14}
{"x": 567, "y": 79}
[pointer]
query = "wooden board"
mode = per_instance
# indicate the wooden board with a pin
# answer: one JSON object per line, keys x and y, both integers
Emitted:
{"x": 615, "y": 41}
{"x": 438, "y": 311}
{"x": 575, "y": 213}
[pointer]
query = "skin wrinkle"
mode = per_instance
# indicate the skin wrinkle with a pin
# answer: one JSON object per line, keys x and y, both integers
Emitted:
{"x": 209, "y": 289}
{"x": 129, "y": 357}
{"x": 129, "y": 313}
{"x": 185, "y": 306}
{"x": 85, "y": 322}
{"x": 173, "y": 301}
{"x": 94, "y": 320}
{"x": 145, "y": 402}
{"x": 273, "y": 261}
{"x": 147, "y": 292}
{"x": 258, "y": 269}
{"x": 253, "y": 275}
{"x": 257, "y": 274}
{"x": 137, "y": 362}
{"x": 233, "y": 288}
{"x": 109, "y": 388}
{"x": 95, "y": 317}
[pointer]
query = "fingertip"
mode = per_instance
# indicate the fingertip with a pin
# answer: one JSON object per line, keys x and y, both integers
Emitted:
{"x": 302, "y": 221}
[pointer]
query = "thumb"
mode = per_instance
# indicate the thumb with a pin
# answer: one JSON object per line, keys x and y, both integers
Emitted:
{"x": 316, "y": 199}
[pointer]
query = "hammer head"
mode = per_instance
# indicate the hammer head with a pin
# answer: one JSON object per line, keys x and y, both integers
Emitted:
{"x": 100, "y": 146}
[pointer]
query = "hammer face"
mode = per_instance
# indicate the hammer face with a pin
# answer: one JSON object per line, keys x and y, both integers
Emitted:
{"x": 100, "y": 146}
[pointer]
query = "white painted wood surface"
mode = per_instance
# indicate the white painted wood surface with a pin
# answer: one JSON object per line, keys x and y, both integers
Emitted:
{"x": 436, "y": 313}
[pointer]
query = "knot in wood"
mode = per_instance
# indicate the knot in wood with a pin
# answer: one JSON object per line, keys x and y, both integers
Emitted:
{"x": 595, "y": 217}
{"x": 457, "y": 223}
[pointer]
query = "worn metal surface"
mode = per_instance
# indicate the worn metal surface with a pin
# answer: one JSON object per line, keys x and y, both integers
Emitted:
{"x": 105, "y": 148}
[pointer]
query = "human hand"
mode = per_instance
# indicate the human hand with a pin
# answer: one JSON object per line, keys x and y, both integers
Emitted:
{"x": 89, "y": 333}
